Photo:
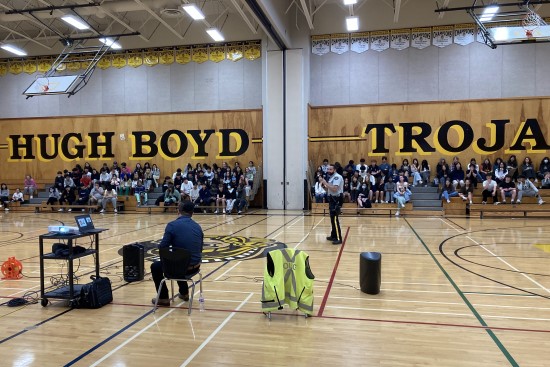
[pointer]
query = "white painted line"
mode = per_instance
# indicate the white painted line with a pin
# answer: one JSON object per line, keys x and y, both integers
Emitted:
{"x": 228, "y": 270}
{"x": 215, "y": 332}
{"x": 402, "y": 311}
{"x": 503, "y": 261}
{"x": 307, "y": 235}
{"x": 135, "y": 335}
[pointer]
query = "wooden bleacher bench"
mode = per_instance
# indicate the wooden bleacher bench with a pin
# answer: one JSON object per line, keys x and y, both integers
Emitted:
{"x": 66, "y": 207}
{"x": 352, "y": 209}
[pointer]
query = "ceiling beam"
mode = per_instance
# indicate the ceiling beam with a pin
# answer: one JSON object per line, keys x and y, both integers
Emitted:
{"x": 243, "y": 15}
{"x": 445, "y": 5}
{"x": 396, "y": 10}
{"x": 306, "y": 13}
{"x": 155, "y": 15}
{"x": 24, "y": 36}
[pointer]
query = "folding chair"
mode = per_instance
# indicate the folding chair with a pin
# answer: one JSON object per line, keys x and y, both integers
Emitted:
{"x": 175, "y": 262}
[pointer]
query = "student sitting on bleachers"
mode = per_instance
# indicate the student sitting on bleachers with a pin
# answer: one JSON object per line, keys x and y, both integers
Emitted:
{"x": 4, "y": 196}
{"x": 508, "y": 189}
{"x": 527, "y": 188}
{"x": 140, "y": 193}
{"x": 109, "y": 195}
{"x": 467, "y": 191}
{"x": 29, "y": 186}
{"x": 96, "y": 195}
{"x": 67, "y": 197}
{"x": 53, "y": 196}
{"x": 83, "y": 195}
{"x": 448, "y": 190}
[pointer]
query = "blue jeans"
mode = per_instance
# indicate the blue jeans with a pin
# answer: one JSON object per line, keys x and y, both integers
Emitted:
{"x": 448, "y": 195}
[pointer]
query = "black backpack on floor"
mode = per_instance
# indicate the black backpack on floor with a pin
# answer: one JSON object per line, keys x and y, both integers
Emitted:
{"x": 96, "y": 294}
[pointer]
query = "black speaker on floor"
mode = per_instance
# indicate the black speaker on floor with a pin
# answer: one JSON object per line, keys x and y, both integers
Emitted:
{"x": 132, "y": 262}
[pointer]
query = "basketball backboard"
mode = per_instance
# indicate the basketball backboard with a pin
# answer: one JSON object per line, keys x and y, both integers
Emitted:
{"x": 64, "y": 84}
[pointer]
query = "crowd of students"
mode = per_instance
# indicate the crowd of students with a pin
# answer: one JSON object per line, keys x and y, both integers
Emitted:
{"x": 387, "y": 183}
{"x": 222, "y": 186}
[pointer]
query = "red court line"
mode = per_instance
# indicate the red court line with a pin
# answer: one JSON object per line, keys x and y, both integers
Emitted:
{"x": 343, "y": 318}
{"x": 325, "y": 298}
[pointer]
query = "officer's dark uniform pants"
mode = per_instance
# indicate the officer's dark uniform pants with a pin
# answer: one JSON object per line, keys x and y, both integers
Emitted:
{"x": 334, "y": 205}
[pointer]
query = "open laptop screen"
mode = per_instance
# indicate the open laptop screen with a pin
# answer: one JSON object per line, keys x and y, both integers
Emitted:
{"x": 84, "y": 223}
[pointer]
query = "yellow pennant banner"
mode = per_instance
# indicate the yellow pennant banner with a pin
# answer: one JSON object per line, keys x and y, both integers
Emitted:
{"x": 199, "y": 55}
{"x": 105, "y": 62}
{"x": 216, "y": 54}
{"x": 166, "y": 57}
{"x": 16, "y": 67}
{"x": 235, "y": 51}
{"x": 3, "y": 68}
{"x": 135, "y": 59}
{"x": 73, "y": 65}
{"x": 29, "y": 66}
{"x": 183, "y": 55}
{"x": 253, "y": 51}
{"x": 119, "y": 61}
{"x": 44, "y": 65}
{"x": 151, "y": 58}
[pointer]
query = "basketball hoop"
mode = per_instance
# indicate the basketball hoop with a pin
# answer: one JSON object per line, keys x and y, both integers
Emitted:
{"x": 43, "y": 83}
{"x": 530, "y": 22}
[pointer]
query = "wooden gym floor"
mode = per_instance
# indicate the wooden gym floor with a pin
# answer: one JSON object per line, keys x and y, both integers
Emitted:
{"x": 455, "y": 292}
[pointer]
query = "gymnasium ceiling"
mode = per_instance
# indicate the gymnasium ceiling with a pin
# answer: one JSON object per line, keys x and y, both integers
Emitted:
{"x": 163, "y": 23}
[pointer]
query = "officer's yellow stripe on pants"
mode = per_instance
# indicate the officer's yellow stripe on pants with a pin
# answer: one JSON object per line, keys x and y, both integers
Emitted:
{"x": 336, "y": 225}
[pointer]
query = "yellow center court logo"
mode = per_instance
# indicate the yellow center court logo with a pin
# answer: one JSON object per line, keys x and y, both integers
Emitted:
{"x": 222, "y": 248}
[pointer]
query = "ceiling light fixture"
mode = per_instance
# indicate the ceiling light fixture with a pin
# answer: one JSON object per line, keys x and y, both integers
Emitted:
{"x": 350, "y": 2}
{"x": 489, "y": 13}
{"x": 14, "y": 50}
{"x": 193, "y": 11}
{"x": 75, "y": 22}
{"x": 215, "y": 34}
{"x": 352, "y": 23}
{"x": 111, "y": 43}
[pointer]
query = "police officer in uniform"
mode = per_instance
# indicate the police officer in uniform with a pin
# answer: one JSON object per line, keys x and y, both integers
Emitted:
{"x": 335, "y": 189}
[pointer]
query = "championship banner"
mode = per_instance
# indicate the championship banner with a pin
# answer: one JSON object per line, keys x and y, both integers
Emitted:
{"x": 166, "y": 57}
{"x": 464, "y": 34}
{"x": 421, "y": 37}
{"x": 3, "y": 68}
{"x": 339, "y": 43}
{"x": 199, "y": 55}
{"x": 119, "y": 61}
{"x": 216, "y": 54}
{"x": 44, "y": 65}
{"x": 234, "y": 52}
{"x": 320, "y": 45}
{"x": 380, "y": 40}
{"x": 29, "y": 66}
{"x": 73, "y": 65}
{"x": 183, "y": 55}
{"x": 253, "y": 51}
{"x": 400, "y": 39}
{"x": 443, "y": 36}
{"x": 151, "y": 58}
{"x": 16, "y": 67}
{"x": 135, "y": 59}
{"x": 105, "y": 62}
{"x": 360, "y": 42}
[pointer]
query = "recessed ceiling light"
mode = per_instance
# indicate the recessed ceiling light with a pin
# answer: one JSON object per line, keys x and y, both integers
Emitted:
{"x": 489, "y": 13}
{"x": 111, "y": 43}
{"x": 352, "y": 23}
{"x": 14, "y": 50}
{"x": 193, "y": 11}
{"x": 215, "y": 34}
{"x": 75, "y": 22}
{"x": 350, "y": 2}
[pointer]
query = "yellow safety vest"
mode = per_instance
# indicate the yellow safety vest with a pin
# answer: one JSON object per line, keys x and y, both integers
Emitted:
{"x": 288, "y": 279}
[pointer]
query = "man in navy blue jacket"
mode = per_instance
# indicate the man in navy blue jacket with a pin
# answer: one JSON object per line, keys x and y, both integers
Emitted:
{"x": 185, "y": 233}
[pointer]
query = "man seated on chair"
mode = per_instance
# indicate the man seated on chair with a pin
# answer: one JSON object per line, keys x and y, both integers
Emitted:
{"x": 185, "y": 233}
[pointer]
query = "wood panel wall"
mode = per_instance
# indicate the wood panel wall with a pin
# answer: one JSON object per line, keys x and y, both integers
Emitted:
{"x": 44, "y": 170}
{"x": 336, "y": 133}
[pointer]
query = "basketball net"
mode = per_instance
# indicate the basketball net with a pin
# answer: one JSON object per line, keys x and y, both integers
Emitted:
{"x": 530, "y": 22}
{"x": 43, "y": 82}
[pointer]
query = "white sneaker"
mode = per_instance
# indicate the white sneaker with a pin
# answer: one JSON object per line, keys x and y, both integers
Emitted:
{"x": 116, "y": 211}
{"x": 497, "y": 203}
{"x": 518, "y": 201}
{"x": 7, "y": 209}
{"x": 448, "y": 201}
{"x": 216, "y": 211}
{"x": 30, "y": 197}
{"x": 397, "y": 213}
{"x": 102, "y": 211}
{"x": 471, "y": 202}
{"x": 60, "y": 210}
{"x": 483, "y": 202}
{"x": 239, "y": 212}
{"x": 420, "y": 182}
{"x": 464, "y": 199}
{"x": 70, "y": 210}
{"x": 541, "y": 202}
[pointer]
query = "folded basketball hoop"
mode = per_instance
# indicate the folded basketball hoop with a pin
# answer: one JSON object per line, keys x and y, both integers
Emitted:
{"x": 530, "y": 22}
